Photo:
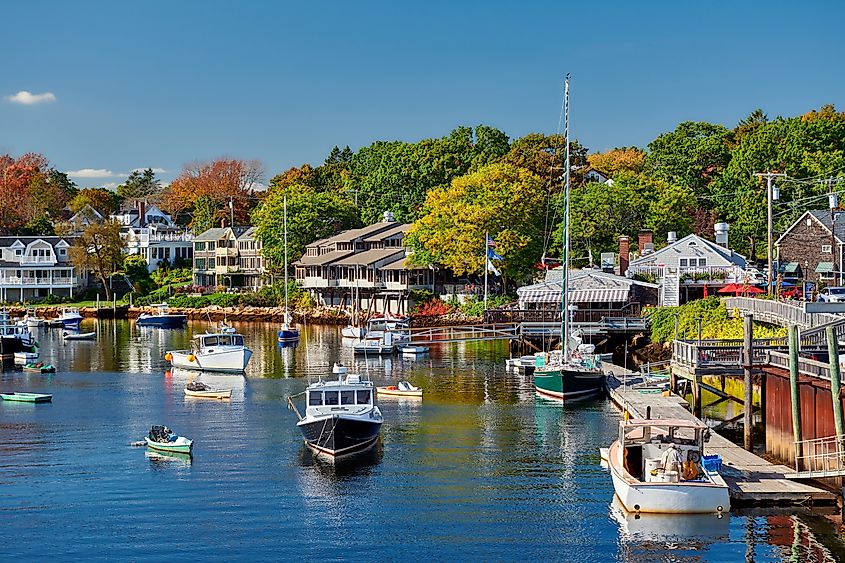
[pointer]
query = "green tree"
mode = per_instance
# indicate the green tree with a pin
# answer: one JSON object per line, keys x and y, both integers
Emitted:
{"x": 312, "y": 215}
{"x": 139, "y": 184}
{"x": 500, "y": 199}
{"x": 207, "y": 214}
{"x": 99, "y": 249}
{"x": 101, "y": 199}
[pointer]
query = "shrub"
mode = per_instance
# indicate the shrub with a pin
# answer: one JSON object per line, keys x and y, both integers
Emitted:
{"x": 432, "y": 308}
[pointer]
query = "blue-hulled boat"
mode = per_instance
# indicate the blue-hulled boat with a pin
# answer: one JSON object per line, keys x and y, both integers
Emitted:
{"x": 286, "y": 333}
{"x": 162, "y": 318}
{"x": 69, "y": 318}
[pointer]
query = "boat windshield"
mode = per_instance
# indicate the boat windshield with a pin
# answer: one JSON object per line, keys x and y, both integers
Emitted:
{"x": 237, "y": 340}
{"x": 331, "y": 397}
{"x": 209, "y": 341}
{"x": 224, "y": 340}
{"x": 315, "y": 398}
{"x": 347, "y": 397}
{"x": 364, "y": 397}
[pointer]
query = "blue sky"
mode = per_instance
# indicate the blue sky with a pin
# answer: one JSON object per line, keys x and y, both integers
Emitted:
{"x": 161, "y": 83}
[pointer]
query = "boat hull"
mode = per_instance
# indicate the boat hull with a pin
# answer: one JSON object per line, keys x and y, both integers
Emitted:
{"x": 26, "y": 397}
{"x": 665, "y": 498}
{"x": 394, "y": 391}
{"x": 287, "y": 335}
{"x": 568, "y": 384}
{"x": 162, "y": 321}
{"x": 379, "y": 350}
{"x": 356, "y": 332}
{"x": 337, "y": 435}
{"x": 82, "y": 336}
{"x": 226, "y": 361}
{"x": 218, "y": 394}
{"x": 184, "y": 448}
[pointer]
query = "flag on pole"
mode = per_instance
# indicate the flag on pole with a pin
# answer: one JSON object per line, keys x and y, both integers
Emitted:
{"x": 490, "y": 242}
{"x": 493, "y": 255}
{"x": 492, "y": 269}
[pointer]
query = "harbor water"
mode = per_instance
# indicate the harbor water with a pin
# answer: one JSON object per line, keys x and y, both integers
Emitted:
{"x": 481, "y": 469}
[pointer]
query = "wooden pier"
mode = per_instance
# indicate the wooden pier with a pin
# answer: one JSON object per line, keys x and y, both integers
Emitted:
{"x": 751, "y": 479}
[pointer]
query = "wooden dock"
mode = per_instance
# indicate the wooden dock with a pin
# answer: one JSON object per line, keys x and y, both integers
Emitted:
{"x": 751, "y": 479}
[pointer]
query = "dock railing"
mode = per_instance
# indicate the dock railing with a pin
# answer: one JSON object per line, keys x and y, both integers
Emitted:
{"x": 725, "y": 353}
{"x": 806, "y": 366}
{"x": 783, "y": 313}
{"x": 821, "y": 457}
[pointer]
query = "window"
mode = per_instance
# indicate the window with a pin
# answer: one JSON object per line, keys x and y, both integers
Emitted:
{"x": 211, "y": 245}
{"x": 199, "y": 246}
{"x": 226, "y": 340}
{"x": 200, "y": 263}
{"x": 702, "y": 262}
{"x": 238, "y": 340}
{"x": 364, "y": 397}
{"x": 315, "y": 398}
{"x": 19, "y": 252}
{"x": 347, "y": 397}
{"x": 210, "y": 341}
{"x": 63, "y": 252}
{"x": 684, "y": 262}
{"x": 331, "y": 397}
{"x": 827, "y": 249}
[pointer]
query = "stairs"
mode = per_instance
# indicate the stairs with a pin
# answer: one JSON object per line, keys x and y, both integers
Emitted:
{"x": 670, "y": 289}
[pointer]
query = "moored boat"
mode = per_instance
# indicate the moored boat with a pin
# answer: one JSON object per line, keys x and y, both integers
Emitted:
{"x": 14, "y": 337}
{"x": 341, "y": 416}
{"x": 222, "y": 352}
{"x": 69, "y": 317}
{"x": 79, "y": 335}
{"x": 39, "y": 368}
{"x": 658, "y": 465}
{"x": 286, "y": 333}
{"x": 27, "y": 397}
{"x": 202, "y": 391}
{"x": 376, "y": 347}
{"x": 161, "y": 438}
{"x": 413, "y": 350}
{"x": 402, "y": 389}
{"x": 162, "y": 318}
{"x": 23, "y": 358}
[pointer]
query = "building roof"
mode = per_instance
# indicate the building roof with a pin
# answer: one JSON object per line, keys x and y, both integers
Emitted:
{"x": 369, "y": 257}
{"x": 822, "y": 216}
{"x": 217, "y": 233}
{"x": 363, "y": 232}
{"x": 323, "y": 259}
{"x": 53, "y": 240}
{"x": 249, "y": 234}
{"x": 398, "y": 229}
{"x": 708, "y": 246}
{"x": 824, "y": 268}
{"x": 400, "y": 264}
{"x": 585, "y": 286}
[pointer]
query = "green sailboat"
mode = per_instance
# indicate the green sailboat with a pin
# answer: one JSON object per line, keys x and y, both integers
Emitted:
{"x": 575, "y": 373}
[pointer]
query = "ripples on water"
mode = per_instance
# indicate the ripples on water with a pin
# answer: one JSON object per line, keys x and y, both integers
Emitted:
{"x": 480, "y": 470}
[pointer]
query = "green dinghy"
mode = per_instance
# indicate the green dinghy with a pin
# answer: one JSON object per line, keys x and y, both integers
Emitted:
{"x": 26, "y": 397}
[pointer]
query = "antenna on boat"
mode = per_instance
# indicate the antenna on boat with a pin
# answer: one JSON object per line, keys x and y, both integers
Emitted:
{"x": 564, "y": 327}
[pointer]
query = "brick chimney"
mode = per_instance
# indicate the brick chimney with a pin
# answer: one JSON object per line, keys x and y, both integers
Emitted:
{"x": 624, "y": 255}
{"x": 142, "y": 212}
{"x": 645, "y": 241}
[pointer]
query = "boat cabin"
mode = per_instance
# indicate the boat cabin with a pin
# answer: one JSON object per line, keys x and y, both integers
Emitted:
{"x": 349, "y": 395}
{"x": 652, "y": 446}
{"x": 208, "y": 342}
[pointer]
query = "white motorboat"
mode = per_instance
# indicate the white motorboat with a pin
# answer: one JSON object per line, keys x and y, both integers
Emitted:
{"x": 32, "y": 320}
{"x": 356, "y": 332}
{"x": 341, "y": 416}
{"x": 200, "y": 390}
{"x": 221, "y": 351}
{"x": 14, "y": 338}
{"x": 658, "y": 466}
{"x": 381, "y": 347}
{"x": 413, "y": 350}
{"x": 23, "y": 358}
{"x": 70, "y": 317}
{"x": 79, "y": 335}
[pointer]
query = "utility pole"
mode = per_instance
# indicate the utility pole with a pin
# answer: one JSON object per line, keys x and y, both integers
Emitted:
{"x": 769, "y": 176}
{"x": 231, "y": 212}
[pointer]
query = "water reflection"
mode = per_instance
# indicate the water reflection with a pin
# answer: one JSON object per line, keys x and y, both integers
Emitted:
{"x": 166, "y": 460}
{"x": 669, "y": 528}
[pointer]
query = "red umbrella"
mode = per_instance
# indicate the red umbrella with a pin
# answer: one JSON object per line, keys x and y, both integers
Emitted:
{"x": 730, "y": 288}
{"x": 705, "y": 291}
{"x": 751, "y": 289}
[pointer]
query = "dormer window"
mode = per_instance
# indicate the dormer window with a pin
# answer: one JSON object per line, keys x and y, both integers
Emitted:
{"x": 19, "y": 252}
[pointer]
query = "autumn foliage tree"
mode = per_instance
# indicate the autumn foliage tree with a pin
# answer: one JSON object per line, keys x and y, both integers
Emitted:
{"x": 99, "y": 249}
{"x": 31, "y": 192}
{"x": 217, "y": 183}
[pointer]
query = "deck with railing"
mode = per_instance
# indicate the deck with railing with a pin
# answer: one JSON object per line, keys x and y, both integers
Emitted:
{"x": 779, "y": 312}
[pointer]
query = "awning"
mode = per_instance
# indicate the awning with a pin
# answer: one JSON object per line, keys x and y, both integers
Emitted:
{"x": 575, "y": 296}
{"x": 790, "y": 267}
{"x": 824, "y": 268}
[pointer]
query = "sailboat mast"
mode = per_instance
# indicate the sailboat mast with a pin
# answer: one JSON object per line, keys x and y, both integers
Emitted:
{"x": 285, "y": 216}
{"x": 564, "y": 286}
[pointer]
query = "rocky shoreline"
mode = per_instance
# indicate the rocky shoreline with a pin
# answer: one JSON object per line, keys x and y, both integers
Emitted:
{"x": 319, "y": 315}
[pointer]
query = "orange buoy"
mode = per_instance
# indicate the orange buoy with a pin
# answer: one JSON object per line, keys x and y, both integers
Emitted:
{"x": 168, "y": 357}
{"x": 191, "y": 358}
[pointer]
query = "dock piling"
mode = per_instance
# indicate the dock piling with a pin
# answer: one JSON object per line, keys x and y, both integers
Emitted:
{"x": 794, "y": 391}
{"x": 748, "y": 404}
{"x": 835, "y": 380}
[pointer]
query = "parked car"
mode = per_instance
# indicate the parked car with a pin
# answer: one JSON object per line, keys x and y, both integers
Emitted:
{"x": 832, "y": 295}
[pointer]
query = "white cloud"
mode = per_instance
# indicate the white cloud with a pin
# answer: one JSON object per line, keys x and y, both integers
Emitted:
{"x": 93, "y": 173}
{"x": 29, "y": 99}
{"x": 155, "y": 170}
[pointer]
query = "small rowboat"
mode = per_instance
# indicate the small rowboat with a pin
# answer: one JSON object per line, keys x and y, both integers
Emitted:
{"x": 26, "y": 397}
{"x": 40, "y": 368}
{"x": 203, "y": 391}
{"x": 79, "y": 335}
{"x": 411, "y": 350}
{"x": 404, "y": 389}
{"x": 180, "y": 445}
{"x": 161, "y": 438}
